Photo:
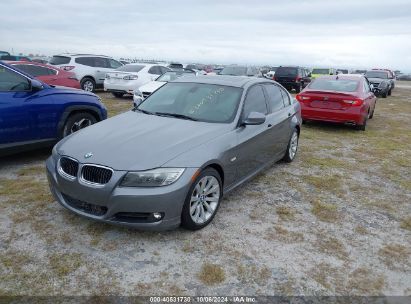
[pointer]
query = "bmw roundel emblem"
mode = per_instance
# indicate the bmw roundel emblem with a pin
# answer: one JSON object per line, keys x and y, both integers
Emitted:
{"x": 88, "y": 155}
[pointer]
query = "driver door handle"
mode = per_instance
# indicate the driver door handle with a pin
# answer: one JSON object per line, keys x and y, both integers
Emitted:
{"x": 289, "y": 114}
{"x": 269, "y": 125}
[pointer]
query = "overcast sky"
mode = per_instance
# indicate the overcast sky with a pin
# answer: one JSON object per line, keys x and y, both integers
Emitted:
{"x": 349, "y": 33}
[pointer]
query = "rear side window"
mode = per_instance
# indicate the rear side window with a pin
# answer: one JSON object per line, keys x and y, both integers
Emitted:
{"x": 88, "y": 61}
{"x": 114, "y": 64}
{"x": 34, "y": 70}
{"x": 12, "y": 81}
{"x": 255, "y": 101}
{"x": 275, "y": 98}
{"x": 286, "y": 71}
{"x": 56, "y": 60}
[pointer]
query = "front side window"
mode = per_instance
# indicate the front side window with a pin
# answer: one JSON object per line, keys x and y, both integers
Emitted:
{"x": 255, "y": 101}
{"x": 203, "y": 102}
{"x": 275, "y": 98}
{"x": 56, "y": 60}
{"x": 366, "y": 86}
{"x": 12, "y": 81}
{"x": 155, "y": 70}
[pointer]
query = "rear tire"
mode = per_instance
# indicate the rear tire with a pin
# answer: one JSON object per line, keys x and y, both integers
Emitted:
{"x": 292, "y": 147}
{"x": 384, "y": 95}
{"x": 389, "y": 92}
{"x": 117, "y": 94}
{"x": 195, "y": 214}
{"x": 362, "y": 127}
{"x": 78, "y": 121}
{"x": 88, "y": 84}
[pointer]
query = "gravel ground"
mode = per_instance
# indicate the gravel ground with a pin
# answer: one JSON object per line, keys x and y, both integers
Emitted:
{"x": 336, "y": 221}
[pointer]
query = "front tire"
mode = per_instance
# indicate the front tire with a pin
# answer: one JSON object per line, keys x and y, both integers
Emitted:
{"x": 77, "y": 122}
{"x": 88, "y": 84}
{"x": 384, "y": 95}
{"x": 203, "y": 200}
{"x": 292, "y": 147}
{"x": 299, "y": 88}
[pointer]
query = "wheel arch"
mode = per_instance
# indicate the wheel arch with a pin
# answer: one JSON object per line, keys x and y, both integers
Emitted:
{"x": 76, "y": 109}
{"x": 216, "y": 166}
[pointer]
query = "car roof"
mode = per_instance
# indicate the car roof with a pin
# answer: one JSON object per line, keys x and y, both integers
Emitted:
{"x": 232, "y": 81}
{"x": 81, "y": 55}
{"x": 32, "y": 63}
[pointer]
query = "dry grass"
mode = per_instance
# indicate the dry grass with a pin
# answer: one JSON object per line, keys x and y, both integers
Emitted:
{"x": 395, "y": 256}
{"x": 251, "y": 274}
{"x": 363, "y": 281}
{"x": 324, "y": 211}
{"x": 285, "y": 213}
{"x": 331, "y": 246}
{"x": 115, "y": 105}
{"x": 406, "y": 223}
{"x": 65, "y": 263}
{"x": 279, "y": 233}
{"x": 211, "y": 274}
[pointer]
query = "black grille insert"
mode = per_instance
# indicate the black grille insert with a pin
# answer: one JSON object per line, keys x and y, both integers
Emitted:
{"x": 135, "y": 217}
{"x": 69, "y": 166}
{"x": 84, "y": 206}
{"x": 96, "y": 174}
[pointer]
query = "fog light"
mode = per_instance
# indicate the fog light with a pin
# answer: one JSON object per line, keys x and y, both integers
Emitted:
{"x": 157, "y": 215}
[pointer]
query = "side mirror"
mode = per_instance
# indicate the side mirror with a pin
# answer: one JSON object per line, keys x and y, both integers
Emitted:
{"x": 254, "y": 118}
{"x": 36, "y": 85}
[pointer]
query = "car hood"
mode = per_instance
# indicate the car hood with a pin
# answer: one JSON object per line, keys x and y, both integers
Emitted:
{"x": 151, "y": 86}
{"x": 137, "y": 141}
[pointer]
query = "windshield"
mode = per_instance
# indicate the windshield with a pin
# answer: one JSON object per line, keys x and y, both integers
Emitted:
{"x": 340, "y": 85}
{"x": 235, "y": 71}
{"x": 169, "y": 76}
{"x": 321, "y": 71}
{"x": 375, "y": 74}
{"x": 283, "y": 71}
{"x": 130, "y": 68}
{"x": 203, "y": 102}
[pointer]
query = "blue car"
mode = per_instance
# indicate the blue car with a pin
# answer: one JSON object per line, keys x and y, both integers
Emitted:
{"x": 34, "y": 114}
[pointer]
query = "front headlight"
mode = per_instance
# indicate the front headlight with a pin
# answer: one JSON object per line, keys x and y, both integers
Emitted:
{"x": 152, "y": 178}
{"x": 138, "y": 93}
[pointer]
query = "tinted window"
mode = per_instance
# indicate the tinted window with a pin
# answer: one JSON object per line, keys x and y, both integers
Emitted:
{"x": 88, "y": 61}
{"x": 114, "y": 64}
{"x": 366, "y": 86}
{"x": 154, "y": 70}
{"x": 339, "y": 85}
{"x": 55, "y": 60}
{"x": 255, "y": 101}
{"x": 12, "y": 81}
{"x": 275, "y": 98}
{"x": 101, "y": 62}
{"x": 33, "y": 70}
{"x": 131, "y": 68}
{"x": 164, "y": 69}
{"x": 375, "y": 74}
{"x": 9, "y": 58}
{"x": 286, "y": 71}
{"x": 204, "y": 102}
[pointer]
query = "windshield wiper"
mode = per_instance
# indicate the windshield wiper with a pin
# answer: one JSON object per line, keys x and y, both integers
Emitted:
{"x": 182, "y": 116}
{"x": 143, "y": 111}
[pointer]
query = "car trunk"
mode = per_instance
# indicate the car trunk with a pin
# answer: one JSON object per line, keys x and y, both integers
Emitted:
{"x": 328, "y": 100}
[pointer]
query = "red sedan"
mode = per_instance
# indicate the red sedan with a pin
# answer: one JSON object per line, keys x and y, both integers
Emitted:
{"x": 346, "y": 99}
{"x": 48, "y": 74}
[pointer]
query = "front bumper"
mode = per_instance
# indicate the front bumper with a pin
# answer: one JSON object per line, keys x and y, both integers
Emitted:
{"x": 124, "y": 206}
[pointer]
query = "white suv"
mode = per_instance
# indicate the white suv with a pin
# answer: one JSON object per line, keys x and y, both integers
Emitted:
{"x": 89, "y": 69}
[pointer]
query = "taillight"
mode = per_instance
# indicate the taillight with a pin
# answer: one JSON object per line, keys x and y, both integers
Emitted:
{"x": 354, "y": 102}
{"x": 302, "y": 98}
{"x": 298, "y": 78}
{"x": 67, "y": 67}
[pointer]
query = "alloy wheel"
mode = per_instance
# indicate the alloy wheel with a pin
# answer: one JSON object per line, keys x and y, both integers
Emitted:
{"x": 88, "y": 86}
{"x": 204, "y": 199}
{"x": 293, "y": 145}
{"x": 80, "y": 124}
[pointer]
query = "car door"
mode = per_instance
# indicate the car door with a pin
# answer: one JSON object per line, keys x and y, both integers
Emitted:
{"x": 14, "y": 117}
{"x": 102, "y": 67}
{"x": 254, "y": 148}
{"x": 369, "y": 96}
{"x": 278, "y": 120}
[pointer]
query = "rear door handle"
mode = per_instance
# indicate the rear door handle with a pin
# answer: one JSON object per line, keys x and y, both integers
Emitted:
{"x": 289, "y": 114}
{"x": 269, "y": 125}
